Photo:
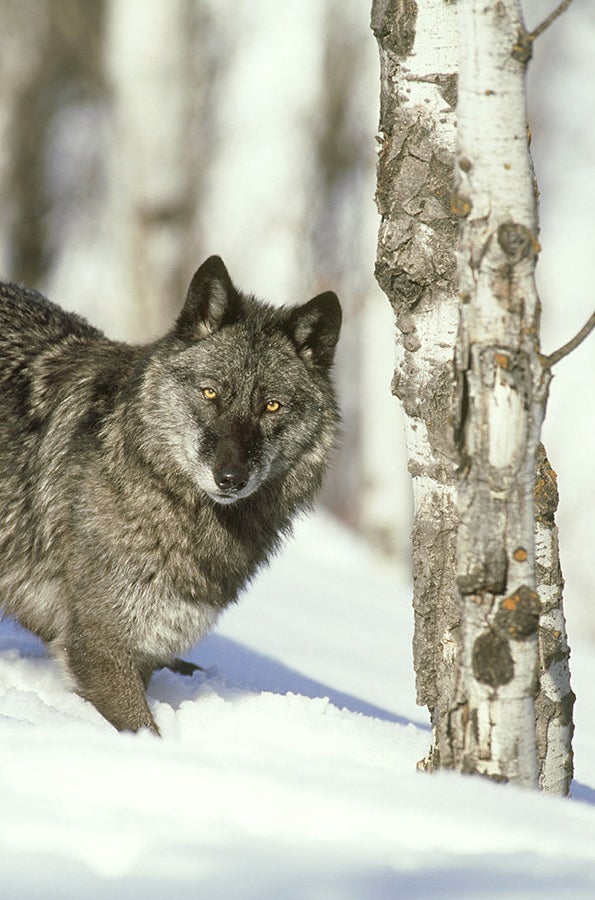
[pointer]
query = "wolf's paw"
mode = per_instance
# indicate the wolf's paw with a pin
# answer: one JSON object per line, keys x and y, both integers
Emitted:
{"x": 182, "y": 667}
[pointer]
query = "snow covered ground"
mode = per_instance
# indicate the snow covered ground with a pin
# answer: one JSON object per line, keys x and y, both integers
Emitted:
{"x": 286, "y": 770}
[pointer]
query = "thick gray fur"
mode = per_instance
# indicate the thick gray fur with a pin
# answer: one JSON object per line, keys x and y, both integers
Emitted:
{"x": 141, "y": 487}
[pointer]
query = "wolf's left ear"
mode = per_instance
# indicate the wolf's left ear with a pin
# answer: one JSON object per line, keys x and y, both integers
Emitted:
{"x": 314, "y": 328}
{"x": 211, "y": 301}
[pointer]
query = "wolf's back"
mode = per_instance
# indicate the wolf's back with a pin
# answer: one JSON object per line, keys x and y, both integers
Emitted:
{"x": 30, "y": 323}
{"x": 50, "y": 363}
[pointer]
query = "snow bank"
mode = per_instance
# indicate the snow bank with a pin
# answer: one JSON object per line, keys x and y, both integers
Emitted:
{"x": 286, "y": 770}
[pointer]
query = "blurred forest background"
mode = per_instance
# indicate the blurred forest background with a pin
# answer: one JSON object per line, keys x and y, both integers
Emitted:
{"x": 139, "y": 136}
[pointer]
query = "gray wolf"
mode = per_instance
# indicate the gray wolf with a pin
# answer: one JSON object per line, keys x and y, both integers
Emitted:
{"x": 141, "y": 487}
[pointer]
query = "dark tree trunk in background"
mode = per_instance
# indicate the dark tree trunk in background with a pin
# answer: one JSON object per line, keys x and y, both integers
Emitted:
{"x": 51, "y": 61}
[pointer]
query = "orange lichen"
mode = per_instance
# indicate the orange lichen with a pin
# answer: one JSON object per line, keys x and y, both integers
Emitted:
{"x": 520, "y": 554}
{"x": 460, "y": 205}
{"x": 518, "y": 615}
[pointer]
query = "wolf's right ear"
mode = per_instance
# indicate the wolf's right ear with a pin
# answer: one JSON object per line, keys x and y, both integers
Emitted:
{"x": 211, "y": 301}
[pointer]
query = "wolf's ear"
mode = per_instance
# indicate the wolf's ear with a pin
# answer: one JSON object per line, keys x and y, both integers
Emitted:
{"x": 314, "y": 328}
{"x": 211, "y": 301}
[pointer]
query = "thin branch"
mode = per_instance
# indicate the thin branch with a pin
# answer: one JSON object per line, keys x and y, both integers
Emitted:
{"x": 550, "y": 19}
{"x": 557, "y": 355}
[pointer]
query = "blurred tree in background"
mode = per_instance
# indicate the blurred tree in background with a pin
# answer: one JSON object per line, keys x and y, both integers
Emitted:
{"x": 143, "y": 135}
{"x": 139, "y": 136}
{"x": 50, "y": 56}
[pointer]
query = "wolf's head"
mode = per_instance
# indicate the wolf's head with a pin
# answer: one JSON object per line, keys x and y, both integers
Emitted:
{"x": 240, "y": 392}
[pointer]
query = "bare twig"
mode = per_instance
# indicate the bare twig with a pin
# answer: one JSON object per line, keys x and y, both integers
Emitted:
{"x": 557, "y": 355}
{"x": 551, "y": 18}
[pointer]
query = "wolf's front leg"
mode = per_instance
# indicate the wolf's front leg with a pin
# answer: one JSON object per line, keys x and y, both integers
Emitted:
{"x": 110, "y": 679}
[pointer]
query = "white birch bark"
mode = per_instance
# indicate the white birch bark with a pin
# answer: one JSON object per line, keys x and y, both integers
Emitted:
{"x": 490, "y": 655}
{"x": 494, "y": 723}
{"x": 555, "y": 700}
{"x": 416, "y": 268}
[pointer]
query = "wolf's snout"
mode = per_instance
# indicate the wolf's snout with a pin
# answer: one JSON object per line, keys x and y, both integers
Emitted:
{"x": 232, "y": 477}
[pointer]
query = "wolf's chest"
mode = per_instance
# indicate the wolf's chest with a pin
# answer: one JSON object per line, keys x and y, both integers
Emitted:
{"x": 162, "y": 624}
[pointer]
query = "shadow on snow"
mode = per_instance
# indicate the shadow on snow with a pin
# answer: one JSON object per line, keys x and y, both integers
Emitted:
{"x": 233, "y": 665}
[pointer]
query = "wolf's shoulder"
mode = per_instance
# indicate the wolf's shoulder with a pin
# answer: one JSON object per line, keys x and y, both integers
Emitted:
{"x": 25, "y": 312}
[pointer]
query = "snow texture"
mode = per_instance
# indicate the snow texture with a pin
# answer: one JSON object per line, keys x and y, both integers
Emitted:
{"x": 286, "y": 769}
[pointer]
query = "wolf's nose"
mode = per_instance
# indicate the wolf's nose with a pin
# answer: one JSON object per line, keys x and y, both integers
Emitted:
{"x": 231, "y": 478}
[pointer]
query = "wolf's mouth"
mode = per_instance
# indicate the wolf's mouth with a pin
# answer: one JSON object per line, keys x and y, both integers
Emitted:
{"x": 227, "y": 498}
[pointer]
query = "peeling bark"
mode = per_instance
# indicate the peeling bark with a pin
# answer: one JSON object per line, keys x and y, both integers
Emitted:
{"x": 555, "y": 699}
{"x": 490, "y": 648}
{"x": 416, "y": 268}
{"x": 507, "y": 385}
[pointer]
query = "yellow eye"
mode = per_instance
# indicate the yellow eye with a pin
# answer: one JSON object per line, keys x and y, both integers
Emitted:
{"x": 209, "y": 393}
{"x": 273, "y": 406}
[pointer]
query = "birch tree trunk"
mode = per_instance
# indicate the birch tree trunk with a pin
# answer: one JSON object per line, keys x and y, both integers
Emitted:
{"x": 490, "y": 653}
{"x": 416, "y": 268}
{"x": 151, "y": 68}
{"x": 505, "y": 383}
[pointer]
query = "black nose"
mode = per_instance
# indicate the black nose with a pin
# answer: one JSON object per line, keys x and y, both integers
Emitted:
{"x": 231, "y": 478}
